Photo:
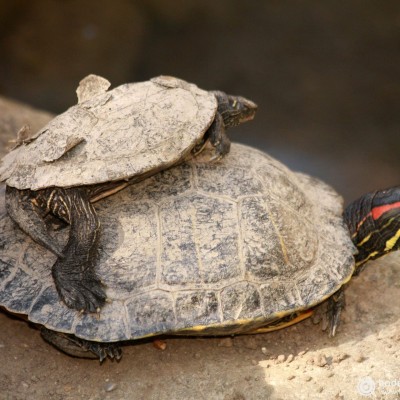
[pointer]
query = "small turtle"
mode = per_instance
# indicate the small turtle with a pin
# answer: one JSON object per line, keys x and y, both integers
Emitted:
{"x": 109, "y": 140}
{"x": 243, "y": 245}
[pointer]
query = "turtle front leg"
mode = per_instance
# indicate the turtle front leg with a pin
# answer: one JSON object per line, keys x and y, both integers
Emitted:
{"x": 76, "y": 347}
{"x": 217, "y": 137}
{"x": 74, "y": 274}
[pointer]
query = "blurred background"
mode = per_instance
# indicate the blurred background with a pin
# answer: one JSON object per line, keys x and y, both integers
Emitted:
{"x": 324, "y": 74}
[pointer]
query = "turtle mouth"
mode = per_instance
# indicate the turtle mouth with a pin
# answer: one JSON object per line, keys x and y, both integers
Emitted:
{"x": 249, "y": 113}
{"x": 248, "y": 117}
{"x": 239, "y": 118}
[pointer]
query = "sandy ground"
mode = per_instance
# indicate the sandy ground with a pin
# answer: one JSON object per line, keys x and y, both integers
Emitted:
{"x": 299, "y": 362}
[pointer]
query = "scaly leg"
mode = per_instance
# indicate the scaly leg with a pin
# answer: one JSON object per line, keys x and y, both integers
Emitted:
{"x": 336, "y": 304}
{"x": 21, "y": 209}
{"x": 218, "y": 138}
{"x": 74, "y": 274}
{"x": 74, "y": 271}
{"x": 77, "y": 347}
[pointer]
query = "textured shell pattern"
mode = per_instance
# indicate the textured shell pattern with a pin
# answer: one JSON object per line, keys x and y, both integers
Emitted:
{"x": 113, "y": 135}
{"x": 209, "y": 248}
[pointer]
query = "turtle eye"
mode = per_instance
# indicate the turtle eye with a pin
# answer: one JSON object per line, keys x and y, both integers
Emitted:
{"x": 234, "y": 103}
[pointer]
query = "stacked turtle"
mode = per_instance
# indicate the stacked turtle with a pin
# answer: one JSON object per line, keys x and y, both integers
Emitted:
{"x": 194, "y": 247}
{"x": 109, "y": 140}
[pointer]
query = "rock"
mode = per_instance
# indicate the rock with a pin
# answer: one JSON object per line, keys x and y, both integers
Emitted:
{"x": 320, "y": 360}
{"x": 280, "y": 359}
{"x": 359, "y": 358}
{"x": 110, "y": 386}
{"x": 290, "y": 358}
{"x": 339, "y": 357}
{"x": 160, "y": 344}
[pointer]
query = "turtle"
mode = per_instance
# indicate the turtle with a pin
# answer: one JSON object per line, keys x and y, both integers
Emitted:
{"x": 109, "y": 140}
{"x": 243, "y": 245}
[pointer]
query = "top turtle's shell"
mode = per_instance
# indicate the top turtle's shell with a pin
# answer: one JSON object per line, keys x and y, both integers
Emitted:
{"x": 130, "y": 131}
{"x": 200, "y": 248}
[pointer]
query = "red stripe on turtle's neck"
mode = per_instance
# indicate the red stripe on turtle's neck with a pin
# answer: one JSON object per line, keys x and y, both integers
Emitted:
{"x": 377, "y": 212}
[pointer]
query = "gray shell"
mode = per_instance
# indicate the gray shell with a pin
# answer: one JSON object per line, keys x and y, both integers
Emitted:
{"x": 200, "y": 248}
{"x": 113, "y": 135}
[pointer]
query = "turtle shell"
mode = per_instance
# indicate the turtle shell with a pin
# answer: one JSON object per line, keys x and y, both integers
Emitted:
{"x": 113, "y": 135}
{"x": 204, "y": 248}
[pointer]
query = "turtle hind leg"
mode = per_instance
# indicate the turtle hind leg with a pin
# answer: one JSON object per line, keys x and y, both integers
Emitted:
{"x": 76, "y": 347}
{"x": 22, "y": 211}
{"x": 74, "y": 274}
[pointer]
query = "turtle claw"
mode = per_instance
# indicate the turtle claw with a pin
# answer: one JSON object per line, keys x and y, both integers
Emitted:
{"x": 219, "y": 139}
{"x": 74, "y": 346}
{"x": 104, "y": 350}
{"x": 83, "y": 302}
{"x": 199, "y": 147}
{"x": 83, "y": 294}
{"x": 216, "y": 157}
{"x": 112, "y": 351}
{"x": 336, "y": 304}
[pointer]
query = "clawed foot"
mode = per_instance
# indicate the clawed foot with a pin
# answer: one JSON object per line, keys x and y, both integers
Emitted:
{"x": 81, "y": 291}
{"x": 104, "y": 350}
{"x": 336, "y": 304}
{"x": 222, "y": 147}
{"x": 219, "y": 139}
{"x": 76, "y": 347}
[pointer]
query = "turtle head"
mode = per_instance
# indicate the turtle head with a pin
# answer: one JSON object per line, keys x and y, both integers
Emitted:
{"x": 234, "y": 109}
{"x": 374, "y": 224}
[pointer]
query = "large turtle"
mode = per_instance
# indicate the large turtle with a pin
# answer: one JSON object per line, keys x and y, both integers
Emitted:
{"x": 109, "y": 140}
{"x": 242, "y": 245}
